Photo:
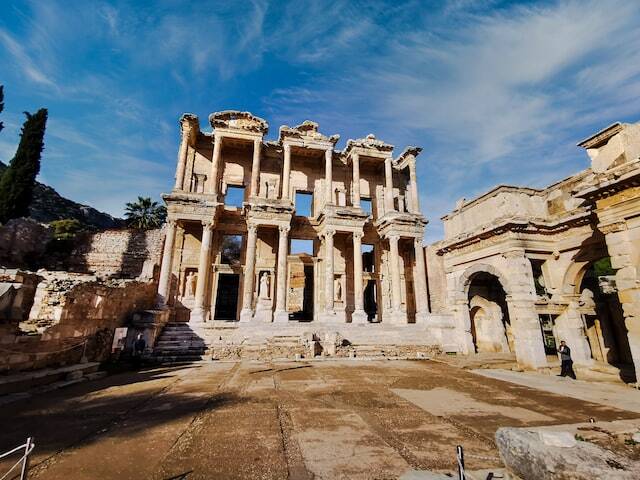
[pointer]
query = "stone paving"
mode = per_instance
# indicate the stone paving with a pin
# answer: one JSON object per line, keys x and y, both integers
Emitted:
{"x": 301, "y": 420}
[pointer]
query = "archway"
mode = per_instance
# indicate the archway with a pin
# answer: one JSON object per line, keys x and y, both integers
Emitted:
{"x": 488, "y": 313}
{"x": 605, "y": 327}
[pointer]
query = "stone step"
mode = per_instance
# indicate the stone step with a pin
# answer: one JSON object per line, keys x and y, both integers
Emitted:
{"x": 180, "y": 350}
{"x": 180, "y": 343}
{"x": 28, "y": 380}
{"x": 168, "y": 359}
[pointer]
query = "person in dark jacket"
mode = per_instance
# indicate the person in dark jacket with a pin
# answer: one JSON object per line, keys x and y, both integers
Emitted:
{"x": 567, "y": 363}
{"x": 138, "y": 349}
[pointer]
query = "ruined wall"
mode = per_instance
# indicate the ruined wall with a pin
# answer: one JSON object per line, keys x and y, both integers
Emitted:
{"x": 436, "y": 281}
{"x": 118, "y": 253}
{"x": 69, "y": 309}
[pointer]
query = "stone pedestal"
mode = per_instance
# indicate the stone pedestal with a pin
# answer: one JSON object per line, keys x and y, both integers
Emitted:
{"x": 264, "y": 312}
{"x": 359, "y": 317}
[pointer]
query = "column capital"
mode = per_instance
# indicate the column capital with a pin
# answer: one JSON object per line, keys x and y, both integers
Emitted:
{"x": 217, "y": 139}
{"x": 171, "y": 222}
{"x": 358, "y": 235}
{"x": 252, "y": 228}
{"x": 286, "y": 147}
{"x": 284, "y": 229}
{"x": 394, "y": 237}
{"x": 207, "y": 224}
{"x": 329, "y": 232}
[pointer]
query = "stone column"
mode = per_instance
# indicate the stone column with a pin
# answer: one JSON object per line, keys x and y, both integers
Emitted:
{"x": 182, "y": 157}
{"x": 328, "y": 174}
{"x": 420, "y": 283}
{"x": 198, "y": 312}
{"x": 286, "y": 172}
{"x": 413, "y": 182}
{"x": 396, "y": 292}
{"x": 255, "y": 168}
{"x": 215, "y": 164}
{"x": 164, "y": 283}
{"x": 355, "y": 159}
{"x": 388, "y": 189}
{"x": 249, "y": 274}
{"x": 359, "y": 315}
{"x": 328, "y": 270}
{"x": 281, "y": 283}
{"x": 624, "y": 248}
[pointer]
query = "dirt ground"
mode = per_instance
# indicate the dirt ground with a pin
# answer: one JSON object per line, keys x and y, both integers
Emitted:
{"x": 316, "y": 420}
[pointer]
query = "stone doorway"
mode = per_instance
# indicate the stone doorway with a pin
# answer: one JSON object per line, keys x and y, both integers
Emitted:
{"x": 227, "y": 296}
{"x": 606, "y": 330}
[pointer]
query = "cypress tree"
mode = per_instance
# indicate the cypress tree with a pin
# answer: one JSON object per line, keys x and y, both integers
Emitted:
{"x": 18, "y": 180}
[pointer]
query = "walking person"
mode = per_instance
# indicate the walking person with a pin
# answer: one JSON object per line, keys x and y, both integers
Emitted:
{"x": 567, "y": 363}
{"x": 138, "y": 349}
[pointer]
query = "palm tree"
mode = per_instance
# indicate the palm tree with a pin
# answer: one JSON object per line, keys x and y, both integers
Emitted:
{"x": 145, "y": 214}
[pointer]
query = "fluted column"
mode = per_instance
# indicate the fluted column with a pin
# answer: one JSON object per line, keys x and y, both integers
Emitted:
{"x": 420, "y": 283}
{"x": 281, "y": 283}
{"x": 164, "y": 283}
{"x": 413, "y": 181}
{"x": 249, "y": 274}
{"x": 328, "y": 271}
{"x": 355, "y": 159}
{"x": 286, "y": 171}
{"x": 394, "y": 259}
{"x": 215, "y": 164}
{"x": 388, "y": 189}
{"x": 328, "y": 176}
{"x": 198, "y": 312}
{"x": 182, "y": 157}
{"x": 255, "y": 167}
{"x": 359, "y": 315}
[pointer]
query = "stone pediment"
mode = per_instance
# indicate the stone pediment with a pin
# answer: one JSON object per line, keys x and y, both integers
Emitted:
{"x": 308, "y": 131}
{"x": 370, "y": 142}
{"x": 237, "y": 120}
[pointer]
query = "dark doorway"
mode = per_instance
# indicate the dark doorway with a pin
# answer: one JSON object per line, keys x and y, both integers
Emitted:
{"x": 370, "y": 305}
{"x": 227, "y": 296}
{"x": 547, "y": 323}
{"x": 606, "y": 330}
{"x": 307, "y": 296}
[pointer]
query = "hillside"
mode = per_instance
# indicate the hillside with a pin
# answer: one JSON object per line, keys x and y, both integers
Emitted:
{"x": 49, "y": 205}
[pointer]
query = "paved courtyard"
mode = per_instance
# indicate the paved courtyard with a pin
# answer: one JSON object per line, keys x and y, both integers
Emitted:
{"x": 322, "y": 420}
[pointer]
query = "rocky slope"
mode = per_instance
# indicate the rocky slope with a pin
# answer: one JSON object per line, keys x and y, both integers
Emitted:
{"x": 49, "y": 205}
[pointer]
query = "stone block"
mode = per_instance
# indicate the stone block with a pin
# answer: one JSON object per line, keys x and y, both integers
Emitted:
{"x": 533, "y": 456}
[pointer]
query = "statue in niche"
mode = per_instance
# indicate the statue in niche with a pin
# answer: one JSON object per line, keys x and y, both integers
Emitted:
{"x": 401, "y": 203}
{"x": 271, "y": 190}
{"x": 338, "y": 289}
{"x": 263, "y": 290}
{"x": 190, "y": 284}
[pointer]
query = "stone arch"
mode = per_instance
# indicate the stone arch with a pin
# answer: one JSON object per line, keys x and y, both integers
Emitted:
{"x": 573, "y": 277}
{"x": 467, "y": 277}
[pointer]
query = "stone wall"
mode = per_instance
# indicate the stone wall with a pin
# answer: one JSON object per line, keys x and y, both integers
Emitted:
{"x": 73, "y": 315}
{"x": 118, "y": 253}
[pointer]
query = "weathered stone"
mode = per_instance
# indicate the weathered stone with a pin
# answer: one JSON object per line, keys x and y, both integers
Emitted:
{"x": 527, "y": 455}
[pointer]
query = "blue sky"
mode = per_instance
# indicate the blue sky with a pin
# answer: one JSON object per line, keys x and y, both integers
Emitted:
{"x": 495, "y": 92}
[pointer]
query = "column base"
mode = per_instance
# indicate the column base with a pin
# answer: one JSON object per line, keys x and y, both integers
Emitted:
{"x": 422, "y": 318}
{"x": 246, "y": 315}
{"x": 198, "y": 315}
{"x": 359, "y": 317}
{"x": 399, "y": 318}
{"x": 281, "y": 316}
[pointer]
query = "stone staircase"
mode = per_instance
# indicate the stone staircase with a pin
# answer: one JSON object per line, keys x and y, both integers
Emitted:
{"x": 178, "y": 343}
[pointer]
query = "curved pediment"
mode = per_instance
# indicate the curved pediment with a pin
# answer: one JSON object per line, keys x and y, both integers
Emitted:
{"x": 237, "y": 120}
